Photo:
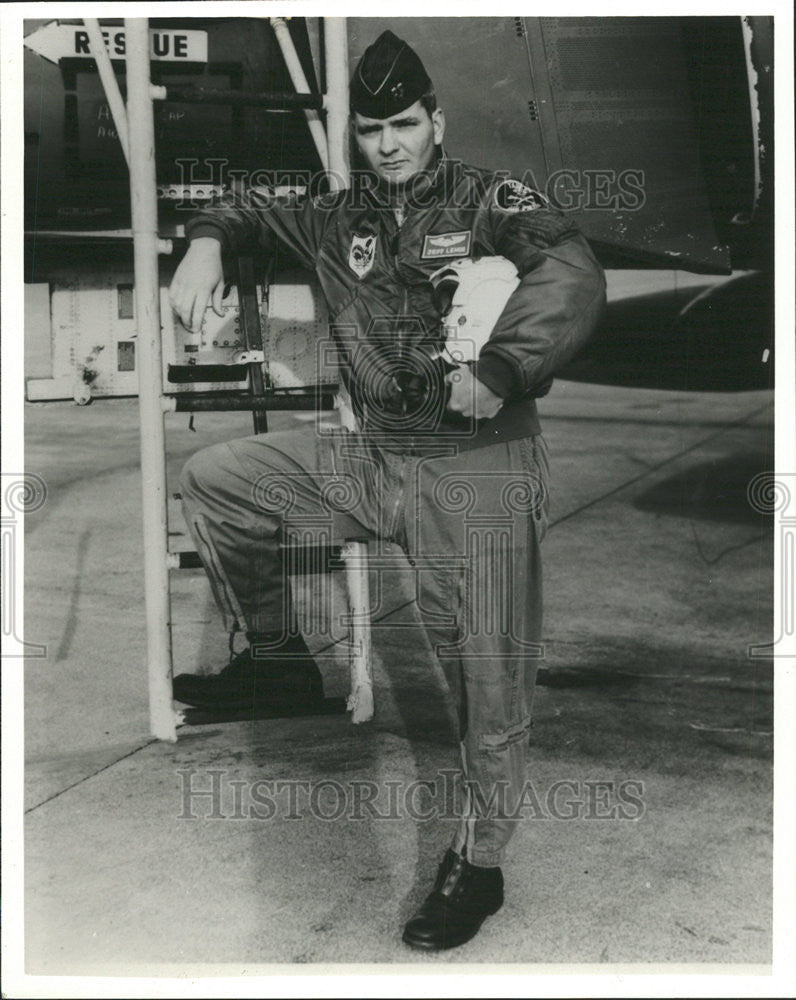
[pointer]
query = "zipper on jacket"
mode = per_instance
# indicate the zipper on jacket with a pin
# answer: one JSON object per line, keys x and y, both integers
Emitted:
{"x": 404, "y": 317}
{"x": 405, "y": 293}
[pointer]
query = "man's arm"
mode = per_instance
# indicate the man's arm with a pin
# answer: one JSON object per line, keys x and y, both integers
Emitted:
{"x": 557, "y": 305}
{"x": 253, "y": 219}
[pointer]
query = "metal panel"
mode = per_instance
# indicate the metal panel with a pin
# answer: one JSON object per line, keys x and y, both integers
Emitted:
{"x": 297, "y": 334}
{"x": 623, "y": 117}
{"x": 94, "y": 336}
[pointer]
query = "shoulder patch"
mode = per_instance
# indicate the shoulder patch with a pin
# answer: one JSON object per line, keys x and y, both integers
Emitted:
{"x": 514, "y": 196}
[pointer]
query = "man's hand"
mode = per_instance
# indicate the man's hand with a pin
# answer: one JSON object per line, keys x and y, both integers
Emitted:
{"x": 198, "y": 280}
{"x": 469, "y": 397}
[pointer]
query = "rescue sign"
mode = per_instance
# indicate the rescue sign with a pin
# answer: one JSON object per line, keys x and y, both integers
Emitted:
{"x": 70, "y": 41}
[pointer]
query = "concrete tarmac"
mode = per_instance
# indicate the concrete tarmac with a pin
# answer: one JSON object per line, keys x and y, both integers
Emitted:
{"x": 648, "y": 834}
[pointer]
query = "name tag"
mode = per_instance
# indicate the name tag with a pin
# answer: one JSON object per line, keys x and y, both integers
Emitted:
{"x": 446, "y": 245}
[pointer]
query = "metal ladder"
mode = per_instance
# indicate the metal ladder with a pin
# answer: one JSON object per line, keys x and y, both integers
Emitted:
{"x": 135, "y": 127}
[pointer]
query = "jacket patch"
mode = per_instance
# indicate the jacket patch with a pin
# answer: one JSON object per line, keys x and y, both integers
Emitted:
{"x": 361, "y": 254}
{"x": 446, "y": 245}
{"x": 512, "y": 196}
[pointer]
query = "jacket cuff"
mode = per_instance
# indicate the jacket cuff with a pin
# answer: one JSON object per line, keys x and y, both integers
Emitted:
{"x": 195, "y": 229}
{"x": 498, "y": 375}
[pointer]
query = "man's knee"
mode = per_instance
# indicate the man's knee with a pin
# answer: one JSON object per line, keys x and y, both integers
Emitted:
{"x": 205, "y": 469}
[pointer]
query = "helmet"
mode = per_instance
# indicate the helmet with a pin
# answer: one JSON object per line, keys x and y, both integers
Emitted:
{"x": 470, "y": 295}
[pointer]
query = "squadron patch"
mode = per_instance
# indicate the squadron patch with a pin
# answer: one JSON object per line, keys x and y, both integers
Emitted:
{"x": 446, "y": 245}
{"x": 513, "y": 196}
{"x": 361, "y": 254}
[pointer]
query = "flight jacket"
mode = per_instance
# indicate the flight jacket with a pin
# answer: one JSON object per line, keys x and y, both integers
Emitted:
{"x": 374, "y": 273}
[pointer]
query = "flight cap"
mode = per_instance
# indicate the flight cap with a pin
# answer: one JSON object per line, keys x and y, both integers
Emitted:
{"x": 388, "y": 79}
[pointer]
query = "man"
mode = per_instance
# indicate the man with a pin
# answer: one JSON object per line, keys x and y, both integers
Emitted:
{"x": 449, "y": 464}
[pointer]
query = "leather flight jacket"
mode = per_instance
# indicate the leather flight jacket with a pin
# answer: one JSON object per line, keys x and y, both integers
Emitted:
{"x": 373, "y": 261}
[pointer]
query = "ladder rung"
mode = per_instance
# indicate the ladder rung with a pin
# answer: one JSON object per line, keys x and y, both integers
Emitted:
{"x": 195, "y": 402}
{"x": 302, "y": 559}
{"x": 181, "y": 374}
{"x": 269, "y": 101}
{"x": 187, "y": 560}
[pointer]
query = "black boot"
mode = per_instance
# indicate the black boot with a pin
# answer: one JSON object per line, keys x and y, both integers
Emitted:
{"x": 462, "y": 898}
{"x": 263, "y": 675}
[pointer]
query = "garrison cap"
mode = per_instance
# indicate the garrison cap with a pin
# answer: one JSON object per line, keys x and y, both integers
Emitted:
{"x": 388, "y": 79}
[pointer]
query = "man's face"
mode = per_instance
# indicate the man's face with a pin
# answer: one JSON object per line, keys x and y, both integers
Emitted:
{"x": 397, "y": 148}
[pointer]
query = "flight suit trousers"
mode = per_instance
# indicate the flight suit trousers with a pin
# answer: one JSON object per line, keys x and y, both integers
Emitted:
{"x": 470, "y": 521}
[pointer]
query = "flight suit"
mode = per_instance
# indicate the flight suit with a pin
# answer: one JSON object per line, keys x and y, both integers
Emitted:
{"x": 467, "y": 501}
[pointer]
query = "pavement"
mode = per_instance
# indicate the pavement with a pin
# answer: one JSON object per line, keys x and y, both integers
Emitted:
{"x": 648, "y": 839}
